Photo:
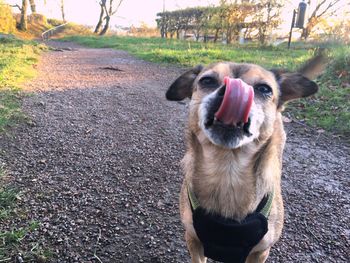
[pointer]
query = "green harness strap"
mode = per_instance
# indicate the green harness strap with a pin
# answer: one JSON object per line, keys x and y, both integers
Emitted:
{"x": 193, "y": 199}
{"x": 265, "y": 211}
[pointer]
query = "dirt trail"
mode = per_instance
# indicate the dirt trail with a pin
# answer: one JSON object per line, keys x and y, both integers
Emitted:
{"x": 98, "y": 167}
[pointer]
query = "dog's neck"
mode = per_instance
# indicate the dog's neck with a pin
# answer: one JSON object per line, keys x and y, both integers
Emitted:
{"x": 232, "y": 182}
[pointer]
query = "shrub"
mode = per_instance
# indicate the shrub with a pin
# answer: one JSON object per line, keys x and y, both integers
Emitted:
{"x": 7, "y": 22}
{"x": 54, "y": 22}
{"x": 37, "y": 18}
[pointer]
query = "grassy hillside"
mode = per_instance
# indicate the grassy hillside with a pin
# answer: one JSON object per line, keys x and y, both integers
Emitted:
{"x": 328, "y": 110}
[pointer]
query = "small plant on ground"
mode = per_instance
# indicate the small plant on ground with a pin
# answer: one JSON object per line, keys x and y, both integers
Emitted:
{"x": 8, "y": 197}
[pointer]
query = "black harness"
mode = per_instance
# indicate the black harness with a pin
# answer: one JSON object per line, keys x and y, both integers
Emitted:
{"x": 225, "y": 239}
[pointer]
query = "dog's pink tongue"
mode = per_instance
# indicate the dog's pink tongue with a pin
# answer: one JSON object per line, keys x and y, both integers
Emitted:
{"x": 238, "y": 99}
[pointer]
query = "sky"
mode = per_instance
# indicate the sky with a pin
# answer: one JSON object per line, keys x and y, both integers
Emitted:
{"x": 131, "y": 12}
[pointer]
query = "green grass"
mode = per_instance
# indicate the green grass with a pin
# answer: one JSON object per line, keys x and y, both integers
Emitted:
{"x": 328, "y": 110}
{"x": 13, "y": 241}
{"x": 8, "y": 198}
{"x": 188, "y": 53}
{"x": 17, "y": 58}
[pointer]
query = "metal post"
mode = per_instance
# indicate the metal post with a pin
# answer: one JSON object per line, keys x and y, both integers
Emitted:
{"x": 163, "y": 21}
{"x": 291, "y": 28}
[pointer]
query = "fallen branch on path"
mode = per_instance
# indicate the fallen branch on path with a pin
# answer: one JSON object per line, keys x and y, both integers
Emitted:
{"x": 112, "y": 68}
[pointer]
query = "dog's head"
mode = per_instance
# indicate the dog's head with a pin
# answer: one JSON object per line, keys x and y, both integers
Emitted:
{"x": 235, "y": 104}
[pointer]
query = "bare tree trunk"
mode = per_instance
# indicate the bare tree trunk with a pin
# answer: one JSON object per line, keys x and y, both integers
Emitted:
{"x": 106, "y": 26}
{"x": 62, "y": 11}
{"x": 305, "y": 34}
{"x": 312, "y": 22}
{"x": 32, "y": 6}
{"x": 23, "y": 23}
{"x": 196, "y": 34}
{"x": 216, "y": 35}
{"x": 177, "y": 33}
{"x": 108, "y": 13}
{"x": 262, "y": 35}
{"x": 99, "y": 23}
{"x": 229, "y": 35}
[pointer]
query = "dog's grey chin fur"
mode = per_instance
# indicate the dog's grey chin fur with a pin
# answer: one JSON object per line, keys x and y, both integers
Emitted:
{"x": 233, "y": 143}
{"x": 220, "y": 139}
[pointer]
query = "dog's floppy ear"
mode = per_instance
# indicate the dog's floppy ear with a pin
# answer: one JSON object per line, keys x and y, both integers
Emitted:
{"x": 300, "y": 84}
{"x": 182, "y": 86}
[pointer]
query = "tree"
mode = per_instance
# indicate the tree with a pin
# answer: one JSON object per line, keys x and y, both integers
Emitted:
{"x": 227, "y": 19}
{"x": 323, "y": 8}
{"x": 235, "y": 15}
{"x": 23, "y": 23}
{"x": 267, "y": 17}
{"x": 100, "y": 20}
{"x": 217, "y": 21}
{"x": 32, "y": 6}
{"x": 171, "y": 23}
{"x": 62, "y": 11}
{"x": 109, "y": 8}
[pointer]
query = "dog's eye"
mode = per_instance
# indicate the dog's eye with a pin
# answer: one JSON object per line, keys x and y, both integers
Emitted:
{"x": 263, "y": 89}
{"x": 209, "y": 82}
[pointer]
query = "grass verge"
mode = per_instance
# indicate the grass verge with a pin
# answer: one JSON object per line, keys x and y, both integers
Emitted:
{"x": 328, "y": 110}
{"x": 8, "y": 198}
{"x": 11, "y": 246}
{"x": 15, "y": 246}
{"x": 17, "y": 58}
{"x": 188, "y": 53}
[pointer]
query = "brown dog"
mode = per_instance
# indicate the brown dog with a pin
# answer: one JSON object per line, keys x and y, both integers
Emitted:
{"x": 230, "y": 201}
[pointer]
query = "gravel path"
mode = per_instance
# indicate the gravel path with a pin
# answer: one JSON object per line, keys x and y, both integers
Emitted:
{"x": 97, "y": 165}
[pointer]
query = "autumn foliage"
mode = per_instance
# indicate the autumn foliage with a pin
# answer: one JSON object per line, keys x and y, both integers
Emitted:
{"x": 8, "y": 23}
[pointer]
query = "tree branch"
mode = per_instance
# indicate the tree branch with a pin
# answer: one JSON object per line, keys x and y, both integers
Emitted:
{"x": 105, "y": 8}
{"x": 116, "y": 9}
{"x": 331, "y": 4}
{"x": 316, "y": 9}
{"x": 20, "y": 9}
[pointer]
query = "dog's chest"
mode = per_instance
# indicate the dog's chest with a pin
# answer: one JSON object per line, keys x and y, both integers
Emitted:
{"x": 226, "y": 185}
